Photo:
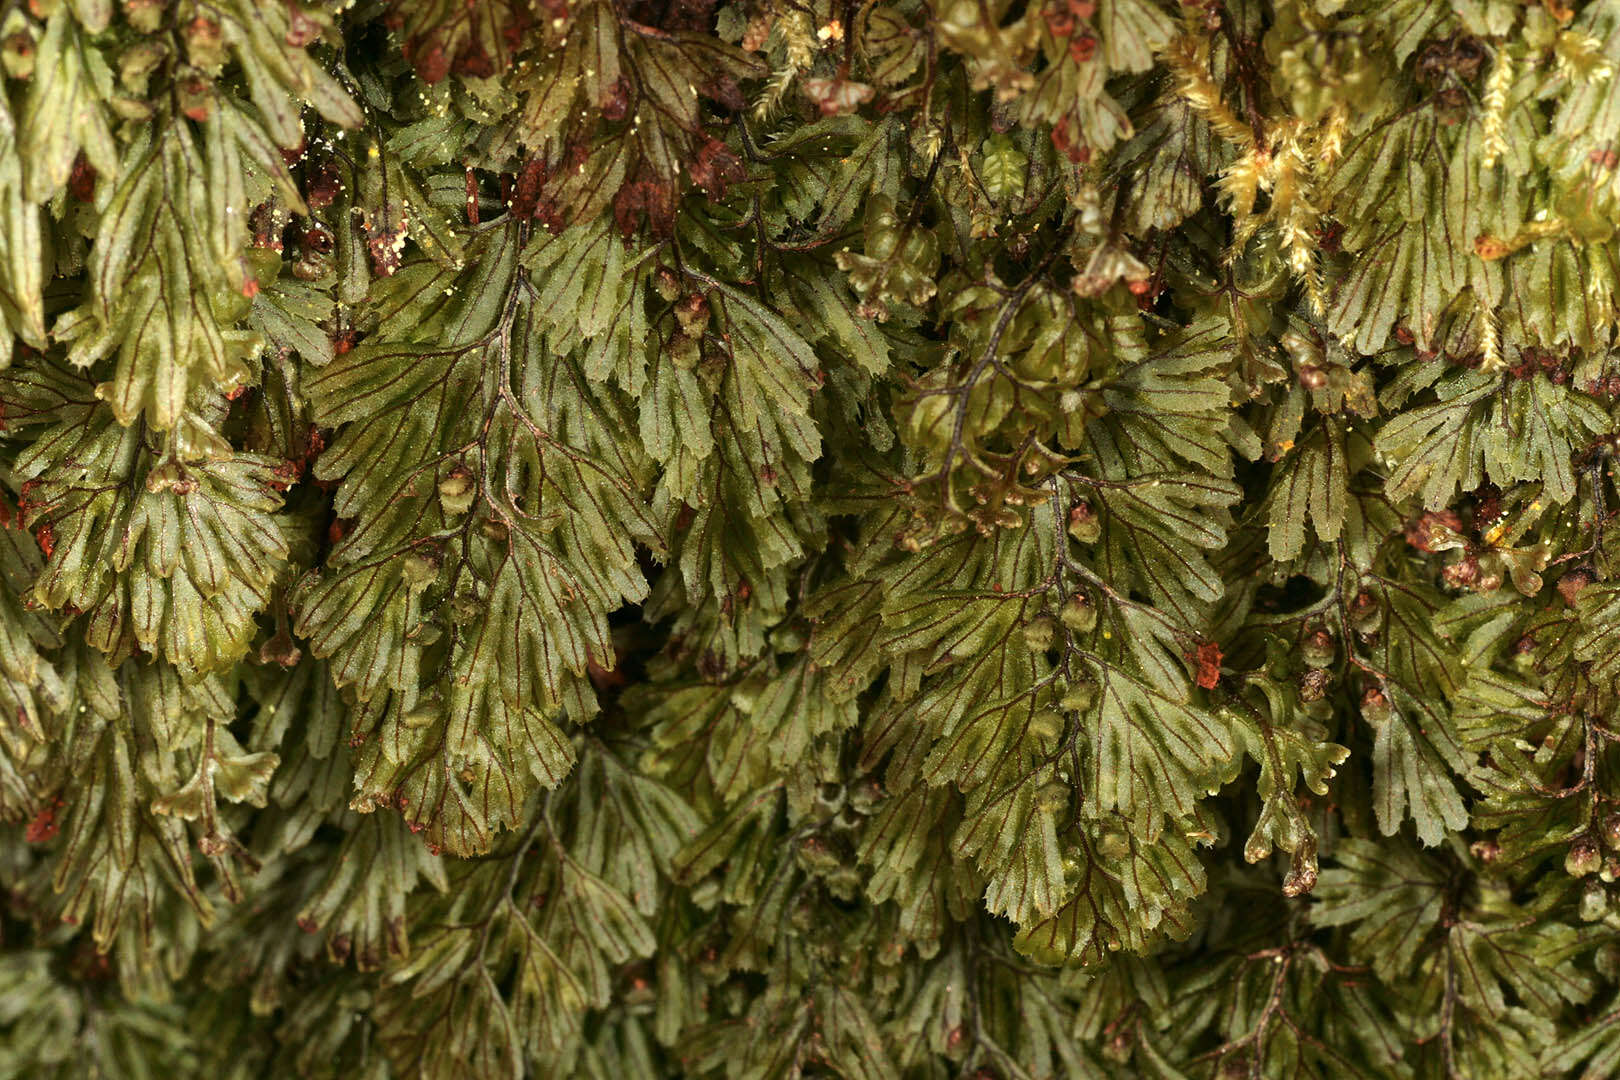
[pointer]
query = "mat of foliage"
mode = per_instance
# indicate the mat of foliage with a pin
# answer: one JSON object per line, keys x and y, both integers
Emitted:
{"x": 759, "y": 539}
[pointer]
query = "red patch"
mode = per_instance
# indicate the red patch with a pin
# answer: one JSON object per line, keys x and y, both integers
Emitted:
{"x": 524, "y": 197}
{"x": 1059, "y": 21}
{"x": 647, "y": 197}
{"x": 385, "y": 241}
{"x": 615, "y": 103}
{"x": 715, "y": 167}
{"x": 431, "y": 64}
{"x": 475, "y": 61}
{"x": 724, "y": 89}
{"x": 1209, "y": 665}
{"x": 605, "y": 679}
{"x": 82, "y": 180}
{"x": 46, "y": 538}
{"x": 43, "y": 828}
{"x": 1064, "y": 141}
{"x": 301, "y": 29}
{"x": 323, "y": 186}
{"x": 287, "y": 474}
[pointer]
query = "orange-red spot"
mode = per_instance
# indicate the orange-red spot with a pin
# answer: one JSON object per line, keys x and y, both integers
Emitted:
{"x": 43, "y": 828}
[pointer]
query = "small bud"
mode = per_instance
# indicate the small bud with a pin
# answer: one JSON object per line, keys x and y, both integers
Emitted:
{"x": 1582, "y": 858}
{"x": 1053, "y": 797}
{"x": 280, "y": 650}
{"x": 1318, "y": 649}
{"x": 865, "y": 795}
{"x": 1594, "y": 902}
{"x": 667, "y": 284}
{"x": 17, "y": 52}
{"x": 466, "y": 608}
{"x": 1079, "y": 615}
{"x": 1113, "y": 844}
{"x": 1079, "y": 697}
{"x": 1073, "y": 870}
{"x": 684, "y": 351}
{"x": 1611, "y": 830}
{"x": 423, "y": 715}
{"x": 419, "y": 568}
{"x": 693, "y": 314}
{"x": 1045, "y": 728}
{"x": 137, "y": 63}
{"x": 1084, "y": 524}
{"x": 456, "y": 491}
{"x": 144, "y": 16}
{"x": 1572, "y": 583}
{"x": 1312, "y": 377}
{"x": 205, "y": 44}
{"x": 816, "y": 854}
{"x": 1375, "y": 708}
{"x": 1313, "y": 685}
{"x": 1366, "y": 614}
{"x": 195, "y": 93}
{"x": 1039, "y": 632}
